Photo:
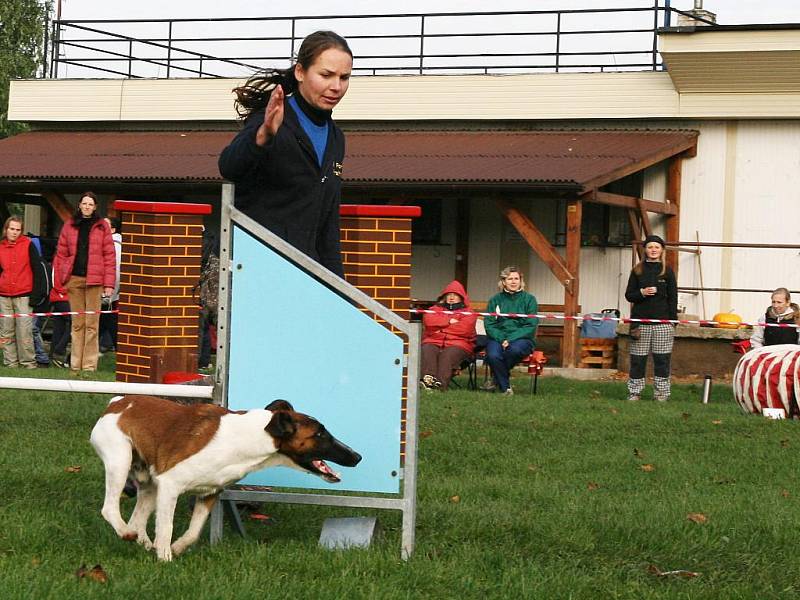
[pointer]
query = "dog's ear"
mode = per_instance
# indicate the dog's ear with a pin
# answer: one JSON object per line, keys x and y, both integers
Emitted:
{"x": 279, "y": 405}
{"x": 281, "y": 425}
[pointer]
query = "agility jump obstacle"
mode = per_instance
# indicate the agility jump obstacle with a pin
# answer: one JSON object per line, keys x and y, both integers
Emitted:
{"x": 289, "y": 328}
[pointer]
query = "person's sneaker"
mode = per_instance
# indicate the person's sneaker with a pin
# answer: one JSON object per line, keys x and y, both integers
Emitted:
{"x": 661, "y": 398}
{"x": 436, "y": 383}
{"x": 634, "y": 398}
{"x": 58, "y": 362}
{"x": 489, "y": 386}
{"x": 509, "y": 392}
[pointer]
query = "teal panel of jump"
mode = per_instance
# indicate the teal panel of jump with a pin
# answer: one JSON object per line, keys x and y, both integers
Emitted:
{"x": 291, "y": 337}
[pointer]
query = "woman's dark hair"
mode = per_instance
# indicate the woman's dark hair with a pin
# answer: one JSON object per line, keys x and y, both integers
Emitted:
{"x": 254, "y": 95}
{"x": 78, "y": 215}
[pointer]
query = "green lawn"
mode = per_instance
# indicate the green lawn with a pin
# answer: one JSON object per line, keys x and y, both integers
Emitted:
{"x": 519, "y": 497}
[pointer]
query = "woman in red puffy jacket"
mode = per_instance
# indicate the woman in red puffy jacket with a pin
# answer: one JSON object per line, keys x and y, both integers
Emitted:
{"x": 85, "y": 266}
{"x": 447, "y": 339}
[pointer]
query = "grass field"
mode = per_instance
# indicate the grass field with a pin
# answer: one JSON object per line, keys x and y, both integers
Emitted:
{"x": 572, "y": 493}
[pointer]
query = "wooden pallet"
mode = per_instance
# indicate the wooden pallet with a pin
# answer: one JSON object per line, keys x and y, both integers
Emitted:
{"x": 598, "y": 353}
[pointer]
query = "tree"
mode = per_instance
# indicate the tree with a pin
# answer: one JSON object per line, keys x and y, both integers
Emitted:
{"x": 22, "y": 27}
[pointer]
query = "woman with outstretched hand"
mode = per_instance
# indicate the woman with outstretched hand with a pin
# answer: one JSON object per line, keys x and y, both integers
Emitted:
{"x": 287, "y": 160}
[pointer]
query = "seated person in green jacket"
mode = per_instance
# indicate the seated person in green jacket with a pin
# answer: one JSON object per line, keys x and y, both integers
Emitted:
{"x": 510, "y": 338}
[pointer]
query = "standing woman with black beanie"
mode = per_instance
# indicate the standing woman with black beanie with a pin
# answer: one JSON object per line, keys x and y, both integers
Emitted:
{"x": 653, "y": 291}
{"x": 287, "y": 160}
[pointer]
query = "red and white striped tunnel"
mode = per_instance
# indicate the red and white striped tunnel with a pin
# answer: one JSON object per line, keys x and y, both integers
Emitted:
{"x": 768, "y": 377}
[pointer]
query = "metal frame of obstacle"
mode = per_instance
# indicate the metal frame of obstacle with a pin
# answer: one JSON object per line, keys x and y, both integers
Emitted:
{"x": 233, "y": 222}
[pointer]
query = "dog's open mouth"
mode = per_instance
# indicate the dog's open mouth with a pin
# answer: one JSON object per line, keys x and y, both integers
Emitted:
{"x": 324, "y": 471}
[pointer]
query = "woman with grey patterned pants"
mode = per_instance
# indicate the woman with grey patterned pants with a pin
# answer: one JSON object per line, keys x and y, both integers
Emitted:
{"x": 653, "y": 292}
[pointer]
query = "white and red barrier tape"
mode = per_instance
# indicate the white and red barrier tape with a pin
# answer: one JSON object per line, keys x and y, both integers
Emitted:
{"x": 59, "y": 314}
{"x": 604, "y": 318}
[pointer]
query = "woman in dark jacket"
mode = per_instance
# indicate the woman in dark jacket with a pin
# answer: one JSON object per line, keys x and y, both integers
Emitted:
{"x": 287, "y": 161}
{"x": 653, "y": 291}
{"x": 781, "y": 311}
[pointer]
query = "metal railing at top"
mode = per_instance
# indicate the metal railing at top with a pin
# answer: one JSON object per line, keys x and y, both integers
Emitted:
{"x": 592, "y": 39}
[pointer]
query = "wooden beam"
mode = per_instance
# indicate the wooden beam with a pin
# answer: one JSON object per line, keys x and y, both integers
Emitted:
{"x": 462, "y": 241}
{"x": 647, "y": 229}
{"x": 663, "y": 208}
{"x": 538, "y": 242}
{"x": 673, "y": 229}
{"x": 574, "y": 218}
{"x": 636, "y": 231}
{"x": 689, "y": 144}
{"x": 60, "y": 205}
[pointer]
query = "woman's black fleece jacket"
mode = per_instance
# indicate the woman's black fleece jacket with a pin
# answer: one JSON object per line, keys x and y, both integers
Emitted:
{"x": 282, "y": 186}
{"x": 664, "y": 305}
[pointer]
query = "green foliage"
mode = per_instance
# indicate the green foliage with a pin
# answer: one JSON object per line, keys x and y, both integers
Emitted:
{"x": 519, "y": 497}
{"x": 22, "y": 26}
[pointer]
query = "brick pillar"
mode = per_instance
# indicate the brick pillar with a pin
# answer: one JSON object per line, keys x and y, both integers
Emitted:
{"x": 158, "y": 315}
{"x": 376, "y": 252}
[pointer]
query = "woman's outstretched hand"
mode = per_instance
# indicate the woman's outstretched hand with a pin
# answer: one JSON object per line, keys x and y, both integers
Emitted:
{"x": 273, "y": 117}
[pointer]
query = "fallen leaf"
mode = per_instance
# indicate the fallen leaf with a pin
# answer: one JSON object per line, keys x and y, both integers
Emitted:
{"x": 593, "y": 486}
{"x": 533, "y": 467}
{"x": 785, "y": 493}
{"x": 455, "y": 499}
{"x": 784, "y": 443}
{"x": 98, "y": 574}
{"x": 81, "y": 572}
{"x": 638, "y": 453}
{"x": 685, "y": 416}
{"x": 676, "y": 573}
{"x": 259, "y": 517}
{"x": 595, "y": 393}
{"x": 648, "y": 468}
{"x": 73, "y": 469}
{"x": 716, "y": 422}
{"x": 697, "y": 518}
{"x": 36, "y": 561}
{"x": 425, "y": 434}
{"x": 613, "y": 411}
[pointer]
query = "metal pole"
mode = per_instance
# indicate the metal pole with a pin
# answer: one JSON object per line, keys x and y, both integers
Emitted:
{"x": 558, "y": 41}
{"x": 410, "y": 466}
{"x": 421, "y": 44}
{"x": 169, "y": 48}
{"x": 106, "y": 387}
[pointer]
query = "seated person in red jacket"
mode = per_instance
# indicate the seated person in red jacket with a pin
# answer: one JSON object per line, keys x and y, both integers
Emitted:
{"x": 447, "y": 339}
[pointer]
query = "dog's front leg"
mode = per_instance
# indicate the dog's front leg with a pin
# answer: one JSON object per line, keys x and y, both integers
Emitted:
{"x": 202, "y": 508}
{"x": 145, "y": 505}
{"x": 166, "y": 499}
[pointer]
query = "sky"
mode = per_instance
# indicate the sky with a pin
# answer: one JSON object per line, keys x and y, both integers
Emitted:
{"x": 263, "y": 53}
{"x": 728, "y": 11}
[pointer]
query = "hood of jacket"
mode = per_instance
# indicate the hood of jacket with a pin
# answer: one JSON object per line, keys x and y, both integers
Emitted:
{"x": 454, "y": 287}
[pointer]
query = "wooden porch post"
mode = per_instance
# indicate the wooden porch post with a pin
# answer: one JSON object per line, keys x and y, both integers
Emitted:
{"x": 674, "y": 173}
{"x": 571, "y": 291}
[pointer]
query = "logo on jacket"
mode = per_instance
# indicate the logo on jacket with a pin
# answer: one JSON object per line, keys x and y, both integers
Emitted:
{"x": 337, "y": 169}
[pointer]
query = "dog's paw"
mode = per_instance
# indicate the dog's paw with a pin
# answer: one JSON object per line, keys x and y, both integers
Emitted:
{"x": 164, "y": 554}
{"x": 145, "y": 541}
{"x": 178, "y": 548}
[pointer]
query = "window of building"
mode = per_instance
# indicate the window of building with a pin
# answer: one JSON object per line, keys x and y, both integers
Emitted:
{"x": 602, "y": 225}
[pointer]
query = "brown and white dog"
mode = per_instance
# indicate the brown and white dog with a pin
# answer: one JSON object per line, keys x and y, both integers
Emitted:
{"x": 170, "y": 449}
